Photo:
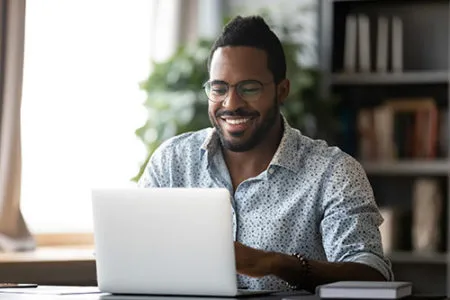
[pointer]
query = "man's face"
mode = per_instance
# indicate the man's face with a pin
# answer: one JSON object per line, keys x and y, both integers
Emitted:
{"x": 250, "y": 106}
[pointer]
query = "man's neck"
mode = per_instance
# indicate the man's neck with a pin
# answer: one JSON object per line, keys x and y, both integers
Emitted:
{"x": 243, "y": 165}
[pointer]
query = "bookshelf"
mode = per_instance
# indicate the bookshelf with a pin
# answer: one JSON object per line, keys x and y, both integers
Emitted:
{"x": 412, "y": 167}
{"x": 372, "y": 53}
{"x": 419, "y": 259}
{"x": 420, "y": 77}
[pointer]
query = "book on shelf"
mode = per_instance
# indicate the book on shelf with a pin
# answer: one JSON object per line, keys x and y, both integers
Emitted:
{"x": 350, "y": 44}
{"x": 383, "y": 136}
{"x": 399, "y": 129}
{"x": 443, "y": 133}
{"x": 364, "y": 43}
{"x": 427, "y": 207}
{"x": 397, "y": 44}
{"x": 382, "y": 44}
{"x": 390, "y": 228}
{"x": 365, "y": 124}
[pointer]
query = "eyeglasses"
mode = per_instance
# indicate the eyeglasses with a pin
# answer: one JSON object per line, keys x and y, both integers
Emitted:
{"x": 249, "y": 90}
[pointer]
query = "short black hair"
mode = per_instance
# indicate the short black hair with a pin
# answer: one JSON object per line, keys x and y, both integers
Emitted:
{"x": 253, "y": 31}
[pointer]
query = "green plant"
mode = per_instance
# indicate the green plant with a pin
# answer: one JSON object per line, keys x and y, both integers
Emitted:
{"x": 176, "y": 102}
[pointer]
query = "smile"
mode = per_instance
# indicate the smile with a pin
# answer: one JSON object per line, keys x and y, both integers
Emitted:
{"x": 237, "y": 121}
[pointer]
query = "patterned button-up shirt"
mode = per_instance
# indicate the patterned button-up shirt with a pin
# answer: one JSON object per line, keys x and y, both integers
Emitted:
{"x": 312, "y": 199}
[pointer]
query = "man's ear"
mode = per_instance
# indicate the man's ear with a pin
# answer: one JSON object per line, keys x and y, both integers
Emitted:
{"x": 283, "y": 90}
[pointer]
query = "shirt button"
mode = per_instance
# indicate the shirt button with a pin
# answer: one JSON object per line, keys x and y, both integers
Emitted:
{"x": 271, "y": 171}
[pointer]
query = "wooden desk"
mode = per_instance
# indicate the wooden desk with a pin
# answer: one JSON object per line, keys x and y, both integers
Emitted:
{"x": 50, "y": 266}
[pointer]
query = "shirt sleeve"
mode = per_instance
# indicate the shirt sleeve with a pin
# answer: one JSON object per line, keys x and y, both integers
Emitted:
{"x": 153, "y": 172}
{"x": 350, "y": 226}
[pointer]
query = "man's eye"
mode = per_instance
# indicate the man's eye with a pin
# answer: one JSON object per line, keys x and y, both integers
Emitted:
{"x": 219, "y": 91}
{"x": 250, "y": 90}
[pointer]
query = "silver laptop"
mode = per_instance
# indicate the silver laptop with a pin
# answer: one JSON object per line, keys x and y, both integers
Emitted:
{"x": 165, "y": 241}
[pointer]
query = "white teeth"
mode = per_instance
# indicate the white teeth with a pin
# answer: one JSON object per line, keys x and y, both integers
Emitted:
{"x": 236, "y": 122}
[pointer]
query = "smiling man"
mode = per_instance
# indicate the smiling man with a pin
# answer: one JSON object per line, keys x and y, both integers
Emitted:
{"x": 303, "y": 212}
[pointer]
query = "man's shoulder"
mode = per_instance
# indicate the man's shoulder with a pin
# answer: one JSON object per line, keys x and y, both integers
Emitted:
{"x": 331, "y": 158}
{"x": 300, "y": 150}
{"x": 318, "y": 152}
{"x": 188, "y": 141}
{"x": 320, "y": 149}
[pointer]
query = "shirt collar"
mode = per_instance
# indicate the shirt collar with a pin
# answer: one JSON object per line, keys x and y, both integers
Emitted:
{"x": 286, "y": 155}
{"x": 210, "y": 145}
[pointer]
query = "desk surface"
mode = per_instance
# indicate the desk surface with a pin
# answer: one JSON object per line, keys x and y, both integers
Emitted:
{"x": 148, "y": 297}
{"x": 104, "y": 296}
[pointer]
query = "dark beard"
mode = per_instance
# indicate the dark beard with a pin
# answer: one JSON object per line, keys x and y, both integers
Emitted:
{"x": 258, "y": 135}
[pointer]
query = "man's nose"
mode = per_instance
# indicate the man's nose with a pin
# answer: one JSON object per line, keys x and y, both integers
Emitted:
{"x": 233, "y": 100}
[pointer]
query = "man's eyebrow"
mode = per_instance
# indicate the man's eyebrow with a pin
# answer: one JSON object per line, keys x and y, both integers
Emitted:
{"x": 245, "y": 80}
{"x": 218, "y": 81}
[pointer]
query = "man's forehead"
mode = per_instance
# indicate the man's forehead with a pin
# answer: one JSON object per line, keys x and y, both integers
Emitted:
{"x": 238, "y": 60}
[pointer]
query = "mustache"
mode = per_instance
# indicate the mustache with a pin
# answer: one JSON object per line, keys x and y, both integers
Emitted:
{"x": 237, "y": 113}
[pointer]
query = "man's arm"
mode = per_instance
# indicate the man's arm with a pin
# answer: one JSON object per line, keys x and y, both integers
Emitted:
{"x": 154, "y": 174}
{"x": 257, "y": 263}
{"x": 315, "y": 273}
{"x": 350, "y": 236}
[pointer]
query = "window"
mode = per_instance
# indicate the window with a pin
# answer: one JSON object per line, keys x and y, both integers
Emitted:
{"x": 81, "y": 104}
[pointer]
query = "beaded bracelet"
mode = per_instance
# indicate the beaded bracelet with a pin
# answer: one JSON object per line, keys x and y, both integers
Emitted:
{"x": 305, "y": 270}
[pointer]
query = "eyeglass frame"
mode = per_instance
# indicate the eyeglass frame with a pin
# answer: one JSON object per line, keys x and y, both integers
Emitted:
{"x": 229, "y": 86}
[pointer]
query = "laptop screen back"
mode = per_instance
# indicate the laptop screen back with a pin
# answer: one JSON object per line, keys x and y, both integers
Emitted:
{"x": 175, "y": 241}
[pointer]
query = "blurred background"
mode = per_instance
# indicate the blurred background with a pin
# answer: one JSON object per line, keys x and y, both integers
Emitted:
{"x": 106, "y": 81}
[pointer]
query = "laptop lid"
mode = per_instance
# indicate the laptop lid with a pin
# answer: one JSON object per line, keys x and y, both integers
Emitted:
{"x": 174, "y": 241}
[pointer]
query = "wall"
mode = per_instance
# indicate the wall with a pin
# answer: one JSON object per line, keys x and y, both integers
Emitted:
{"x": 285, "y": 10}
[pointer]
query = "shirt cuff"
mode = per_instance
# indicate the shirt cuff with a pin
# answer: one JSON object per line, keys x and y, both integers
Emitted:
{"x": 376, "y": 262}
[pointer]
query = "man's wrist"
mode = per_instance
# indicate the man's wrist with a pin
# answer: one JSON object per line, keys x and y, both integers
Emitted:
{"x": 278, "y": 263}
{"x": 293, "y": 269}
{"x": 270, "y": 262}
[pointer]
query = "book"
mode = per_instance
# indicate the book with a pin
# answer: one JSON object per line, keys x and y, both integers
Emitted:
{"x": 427, "y": 206}
{"x": 350, "y": 44}
{"x": 397, "y": 44}
{"x": 384, "y": 132}
{"x": 365, "y": 289}
{"x": 390, "y": 228}
{"x": 367, "y": 143}
{"x": 443, "y": 134}
{"x": 364, "y": 43}
{"x": 382, "y": 44}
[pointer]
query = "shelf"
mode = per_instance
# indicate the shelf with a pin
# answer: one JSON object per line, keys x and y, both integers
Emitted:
{"x": 417, "y": 258}
{"x": 425, "y": 77}
{"x": 350, "y": 0}
{"x": 411, "y": 167}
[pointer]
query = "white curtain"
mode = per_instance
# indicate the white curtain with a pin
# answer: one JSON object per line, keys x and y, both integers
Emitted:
{"x": 180, "y": 26}
{"x": 14, "y": 234}
{"x": 179, "y": 19}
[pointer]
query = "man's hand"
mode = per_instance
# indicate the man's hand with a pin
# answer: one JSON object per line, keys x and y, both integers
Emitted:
{"x": 253, "y": 262}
